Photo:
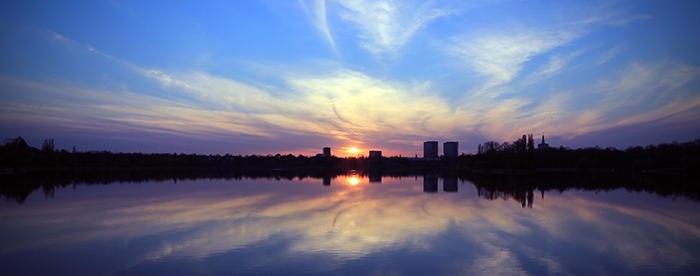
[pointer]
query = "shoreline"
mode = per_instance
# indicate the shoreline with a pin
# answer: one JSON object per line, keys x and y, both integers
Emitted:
{"x": 11, "y": 171}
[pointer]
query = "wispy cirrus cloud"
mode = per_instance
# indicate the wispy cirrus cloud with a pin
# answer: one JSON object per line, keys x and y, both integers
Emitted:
{"x": 609, "y": 54}
{"x": 62, "y": 38}
{"x": 72, "y": 107}
{"x": 612, "y": 18}
{"x": 499, "y": 55}
{"x": 316, "y": 11}
{"x": 555, "y": 65}
{"x": 348, "y": 106}
{"x": 344, "y": 105}
{"x": 386, "y": 26}
{"x": 641, "y": 93}
{"x": 364, "y": 108}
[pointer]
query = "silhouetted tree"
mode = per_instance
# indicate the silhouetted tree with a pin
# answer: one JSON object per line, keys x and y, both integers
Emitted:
{"x": 47, "y": 146}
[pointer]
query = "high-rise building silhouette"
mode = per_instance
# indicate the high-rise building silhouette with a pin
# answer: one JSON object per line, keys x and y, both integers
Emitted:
{"x": 327, "y": 152}
{"x": 430, "y": 149}
{"x": 450, "y": 149}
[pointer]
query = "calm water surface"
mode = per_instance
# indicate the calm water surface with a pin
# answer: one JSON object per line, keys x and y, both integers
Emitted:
{"x": 412, "y": 225}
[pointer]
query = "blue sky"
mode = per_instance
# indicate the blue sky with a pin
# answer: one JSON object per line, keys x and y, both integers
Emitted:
{"x": 268, "y": 77}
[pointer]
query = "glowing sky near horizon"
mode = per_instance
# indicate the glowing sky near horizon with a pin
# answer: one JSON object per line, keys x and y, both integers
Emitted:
{"x": 266, "y": 77}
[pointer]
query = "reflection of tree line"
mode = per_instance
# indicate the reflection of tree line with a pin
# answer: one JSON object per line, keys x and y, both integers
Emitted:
{"x": 522, "y": 188}
{"x": 16, "y": 187}
{"x": 517, "y": 187}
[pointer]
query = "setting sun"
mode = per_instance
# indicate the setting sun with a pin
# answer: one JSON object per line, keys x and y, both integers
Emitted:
{"x": 353, "y": 181}
{"x": 353, "y": 150}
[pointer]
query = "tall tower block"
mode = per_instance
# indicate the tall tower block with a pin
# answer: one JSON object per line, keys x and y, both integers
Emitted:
{"x": 450, "y": 149}
{"x": 430, "y": 149}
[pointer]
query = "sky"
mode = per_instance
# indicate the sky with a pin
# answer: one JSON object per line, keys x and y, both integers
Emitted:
{"x": 268, "y": 76}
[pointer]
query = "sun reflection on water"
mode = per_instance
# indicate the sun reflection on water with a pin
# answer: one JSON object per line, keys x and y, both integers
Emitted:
{"x": 351, "y": 223}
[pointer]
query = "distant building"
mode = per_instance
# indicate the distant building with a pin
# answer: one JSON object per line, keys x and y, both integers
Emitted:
{"x": 327, "y": 152}
{"x": 375, "y": 154}
{"x": 450, "y": 149}
{"x": 430, "y": 149}
{"x": 543, "y": 145}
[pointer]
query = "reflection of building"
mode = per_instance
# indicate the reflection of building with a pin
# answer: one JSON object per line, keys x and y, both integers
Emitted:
{"x": 543, "y": 145}
{"x": 449, "y": 184}
{"x": 450, "y": 149}
{"x": 375, "y": 154}
{"x": 327, "y": 152}
{"x": 326, "y": 181}
{"x": 375, "y": 177}
{"x": 430, "y": 149}
{"x": 430, "y": 183}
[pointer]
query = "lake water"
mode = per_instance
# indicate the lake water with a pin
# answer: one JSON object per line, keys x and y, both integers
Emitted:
{"x": 349, "y": 224}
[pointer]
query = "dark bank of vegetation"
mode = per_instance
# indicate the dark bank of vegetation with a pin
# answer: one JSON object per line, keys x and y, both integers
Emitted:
{"x": 521, "y": 154}
{"x": 15, "y": 153}
{"x": 521, "y": 188}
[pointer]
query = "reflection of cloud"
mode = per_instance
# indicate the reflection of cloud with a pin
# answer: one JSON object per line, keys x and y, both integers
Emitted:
{"x": 500, "y": 262}
{"x": 596, "y": 225}
{"x": 354, "y": 221}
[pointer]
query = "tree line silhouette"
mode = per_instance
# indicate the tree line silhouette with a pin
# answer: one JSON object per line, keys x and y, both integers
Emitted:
{"x": 519, "y": 154}
{"x": 16, "y": 153}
